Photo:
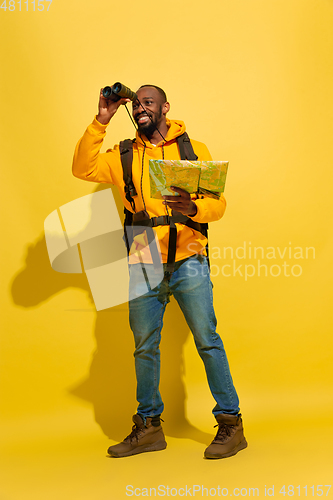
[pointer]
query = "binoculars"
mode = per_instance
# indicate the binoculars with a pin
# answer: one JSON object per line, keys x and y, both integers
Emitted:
{"x": 117, "y": 91}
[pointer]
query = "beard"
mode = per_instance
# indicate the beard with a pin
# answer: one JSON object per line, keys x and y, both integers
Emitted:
{"x": 149, "y": 128}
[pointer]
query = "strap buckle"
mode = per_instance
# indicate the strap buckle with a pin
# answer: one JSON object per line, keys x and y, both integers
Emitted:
{"x": 162, "y": 220}
{"x": 130, "y": 191}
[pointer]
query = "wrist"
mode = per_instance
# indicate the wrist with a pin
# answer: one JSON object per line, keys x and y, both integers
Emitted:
{"x": 194, "y": 210}
{"x": 102, "y": 119}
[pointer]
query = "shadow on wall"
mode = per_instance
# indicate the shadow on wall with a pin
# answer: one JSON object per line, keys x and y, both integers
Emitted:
{"x": 110, "y": 384}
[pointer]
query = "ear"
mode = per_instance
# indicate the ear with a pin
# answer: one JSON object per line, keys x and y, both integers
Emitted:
{"x": 165, "y": 108}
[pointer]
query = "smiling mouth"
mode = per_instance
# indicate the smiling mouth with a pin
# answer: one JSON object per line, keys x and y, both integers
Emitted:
{"x": 143, "y": 119}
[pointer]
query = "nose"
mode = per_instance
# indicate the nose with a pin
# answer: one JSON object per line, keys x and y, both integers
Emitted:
{"x": 139, "y": 109}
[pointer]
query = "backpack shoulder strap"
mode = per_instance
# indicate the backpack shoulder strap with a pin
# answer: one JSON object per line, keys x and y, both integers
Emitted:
{"x": 126, "y": 156}
{"x": 186, "y": 152}
{"x": 185, "y": 148}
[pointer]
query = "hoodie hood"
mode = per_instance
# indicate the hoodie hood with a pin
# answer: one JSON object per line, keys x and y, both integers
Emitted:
{"x": 175, "y": 129}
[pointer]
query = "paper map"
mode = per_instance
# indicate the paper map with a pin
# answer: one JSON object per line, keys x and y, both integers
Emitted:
{"x": 202, "y": 177}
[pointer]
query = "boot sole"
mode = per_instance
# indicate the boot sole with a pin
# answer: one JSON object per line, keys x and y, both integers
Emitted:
{"x": 239, "y": 447}
{"x": 159, "y": 445}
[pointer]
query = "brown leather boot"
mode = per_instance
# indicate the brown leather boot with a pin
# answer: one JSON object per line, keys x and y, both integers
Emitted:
{"x": 142, "y": 438}
{"x": 229, "y": 439}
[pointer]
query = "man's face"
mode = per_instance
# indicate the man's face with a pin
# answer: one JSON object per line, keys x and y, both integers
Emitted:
{"x": 148, "y": 119}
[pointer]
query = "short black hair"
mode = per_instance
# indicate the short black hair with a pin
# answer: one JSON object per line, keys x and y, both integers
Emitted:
{"x": 160, "y": 91}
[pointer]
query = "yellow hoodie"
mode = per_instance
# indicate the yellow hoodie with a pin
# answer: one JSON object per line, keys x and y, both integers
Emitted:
{"x": 91, "y": 165}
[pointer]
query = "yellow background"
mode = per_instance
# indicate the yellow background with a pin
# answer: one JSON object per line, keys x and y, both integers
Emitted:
{"x": 253, "y": 80}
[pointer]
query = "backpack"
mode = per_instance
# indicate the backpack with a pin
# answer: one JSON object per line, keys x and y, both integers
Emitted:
{"x": 126, "y": 154}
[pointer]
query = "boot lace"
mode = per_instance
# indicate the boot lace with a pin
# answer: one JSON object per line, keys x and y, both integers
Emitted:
{"x": 136, "y": 431}
{"x": 224, "y": 431}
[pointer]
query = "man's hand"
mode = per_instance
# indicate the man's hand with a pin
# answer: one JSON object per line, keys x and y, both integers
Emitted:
{"x": 107, "y": 108}
{"x": 181, "y": 203}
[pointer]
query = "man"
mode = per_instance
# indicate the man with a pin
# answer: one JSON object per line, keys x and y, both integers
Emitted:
{"x": 189, "y": 282}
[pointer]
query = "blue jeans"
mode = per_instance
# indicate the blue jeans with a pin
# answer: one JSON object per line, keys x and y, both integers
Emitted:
{"x": 192, "y": 288}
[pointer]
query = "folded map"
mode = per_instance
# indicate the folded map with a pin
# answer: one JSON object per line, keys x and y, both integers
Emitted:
{"x": 201, "y": 177}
